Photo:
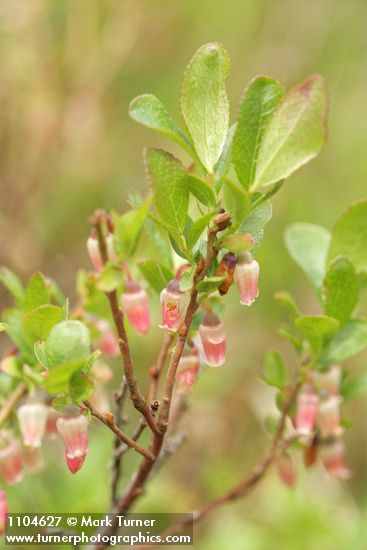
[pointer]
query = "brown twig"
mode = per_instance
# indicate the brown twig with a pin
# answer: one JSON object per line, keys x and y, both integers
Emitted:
{"x": 12, "y": 401}
{"x": 109, "y": 421}
{"x": 156, "y": 371}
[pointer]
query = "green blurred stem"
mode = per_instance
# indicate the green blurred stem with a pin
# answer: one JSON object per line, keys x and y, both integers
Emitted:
{"x": 12, "y": 401}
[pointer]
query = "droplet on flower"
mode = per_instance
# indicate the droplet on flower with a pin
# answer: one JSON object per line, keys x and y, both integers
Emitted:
{"x": 32, "y": 419}
{"x": 174, "y": 304}
{"x": 74, "y": 432}
{"x": 246, "y": 276}
{"x": 11, "y": 468}
{"x": 307, "y": 407}
{"x": 135, "y": 306}
{"x": 213, "y": 337}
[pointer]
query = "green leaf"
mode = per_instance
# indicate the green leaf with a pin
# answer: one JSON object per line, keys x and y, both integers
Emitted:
{"x": 348, "y": 341}
{"x": 110, "y": 277}
{"x": 91, "y": 360}
{"x": 236, "y": 201}
{"x": 257, "y": 105}
{"x": 81, "y": 387}
{"x": 317, "y": 329}
{"x": 204, "y": 102}
{"x": 287, "y": 301}
{"x": 128, "y": 228}
{"x": 150, "y": 111}
{"x": 210, "y": 284}
{"x": 308, "y": 245}
{"x": 14, "y": 319}
{"x": 57, "y": 380}
{"x": 275, "y": 370}
{"x": 349, "y": 236}
{"x": 287, "y": 332}
{"x": 295, "y": 133}
{"x": 38, "y": 323}
{"x": 341, "y": 289}
{"x": 68, "y": 342}
{"x": 237, "y": 242}
{"x": 353, "y": 387}
{"x": 37, "y": 293}
{"x": 257, "y": 219}
{"x": 197, "y": 229}
{"x": 59, "y": 403}
{"x": 171, "y": 191}
{"x": 39, "y": 349}
{"x": 12, "y": 283}
{"x": 156, "y": 274}
{"x": 160, "y": 240}
{"x": 201, "y": 190}
{"x": 3, "y": 327}
{"x": 187, "y": 278}
{"x": 225, "y": 159}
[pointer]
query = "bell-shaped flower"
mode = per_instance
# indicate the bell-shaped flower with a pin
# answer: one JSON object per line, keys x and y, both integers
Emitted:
{"x": 32, "y": 459}
{"x": 174, "y": 304}
{"x": 285, "y": 469}
{"x": 328, "y": 382}
{"x": 306, "y": 414}
{"x": 95, "y": 254}
{"x": 107, "y": 341}
{"x": 11, "y": 469}
{"x": 246, "y": 276}
{"x": 333, "y": 458}
{"x": 99, "y": 400}
{"x": 135, "y": 305}
{"x": 4, "y": 510}
{"x": 102, "y": 372}
{"x": 213, "y": 338}
{"x": 329, "y": 417}
{"x": 32, "y": 419}
{"x": 74, "y": 432}
{"x": 187, "y": 372}
{"x": 51, "y": 431}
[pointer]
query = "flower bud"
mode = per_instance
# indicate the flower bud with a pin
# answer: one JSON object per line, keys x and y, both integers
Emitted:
{"x": 74, "y": 432}
{"x": 94, "y": 253}
{"x": 246, "y": 276}
{"x": 174, "y": 304}
{"x": 329, "y": 381}
{"x": 213, "y": 337}
{"x": 135, "y": 306}
{"x": 188, "y": 369}
{"x": 333, "y": 458}
{"x": 32, "y": 423}
{"x": 329, "y": 417}
{"x": 3, "y": 511}
{"x": 10, "y": 462}
{"x": 307, "y": 407}
{"x": 32, "y": 459}
{"x": 286, "y": 470}
{"x": 107, "y": 342}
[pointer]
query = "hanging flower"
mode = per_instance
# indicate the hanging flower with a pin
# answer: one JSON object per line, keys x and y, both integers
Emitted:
{"x": 246, "y": 276}
{"x": 174, "y": 304}
{"x": 333, "y": 458}
{"x": 329, "y": 417}
{"x": 135, "y": 306}
{"x": 52, "y": 418}
{"x": 95, "y": 254}
{"x": 213, "y": 337}
{"x": 74, "y": 432}
{"x": 32, "y": 419}
{"x": 3, "y": 510}
{"x": 99, "y": 400}
{"x": 188, "y": 369}
{"x": 10, "y": 462}
{"x": 307, "y": 407}
{"x": 107, "y": 342}
{"x": 102, "y": 372}
{"x": 32, "y": 459}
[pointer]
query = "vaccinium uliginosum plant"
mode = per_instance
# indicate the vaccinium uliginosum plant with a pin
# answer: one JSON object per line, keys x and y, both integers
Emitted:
{"x": 205, "y": 218}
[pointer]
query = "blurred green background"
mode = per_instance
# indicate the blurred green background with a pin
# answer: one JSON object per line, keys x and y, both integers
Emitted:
{"x": 68, "y": 70}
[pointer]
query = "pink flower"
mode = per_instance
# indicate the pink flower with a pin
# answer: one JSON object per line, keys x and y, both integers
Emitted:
{"x": 74, "y": 432}
{"x": 94, "y": 253}
{"x": 329, "y": 417}
{"x": 135, "y": 306}
{"x": 102, "y": 372}
{"x": 32, "y": 423}
{"x": 213, "y": 337}
{"x": 107, "y": 342}
{"x": 99, "y": 400}
{"x": 3, "y": 511}
{"x": 286, "y": 471}
{"x": 307, "y": 407}
{"x": 333, "y": 458}
{"x": 32, "y": 459}
{"x": 188, "y": 369}
{"x": 329, "y": 381}
{"x": 174, "y": 304}
{"x": 10, "y": 463}
{"x": 246, "y": 276}
{"x": 52, "y": 418}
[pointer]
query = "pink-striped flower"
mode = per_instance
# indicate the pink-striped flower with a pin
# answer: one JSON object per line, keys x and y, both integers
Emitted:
{"x": 188, "y": 369}
{"x": 107, "y": 342}
{"x": 174, "y": 304}
{"x": 213, "y": 337}
{"x": 246, "y": 276}
{"x": 32, "y": 419}
{"x": 329, "y": 381}
{"x": 74, "y": 432}
{"x": 10, "y": 462}
{"x": 329, "y": 417}
{"x": 4, "y": 510}
{"x": 333, "y": 458}
{"x": 32, "y": 459}
{"x": 286, "y": 470}
{"x": 135, "y": 305}
{"x": 307, "y": 407}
